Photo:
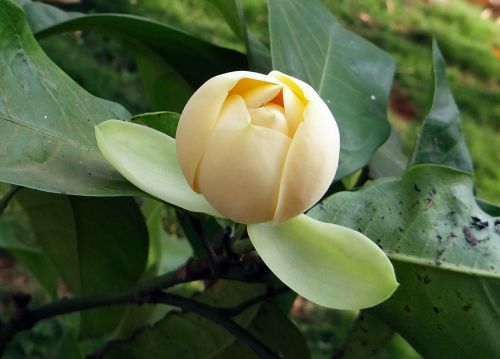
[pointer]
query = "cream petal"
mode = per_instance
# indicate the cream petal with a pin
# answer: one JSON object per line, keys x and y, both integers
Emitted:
{"x": 240, "y": 171}
{"x": 294, "y": 110}
{"x": 311, "y": 162}
{"x": 270, "y": 116}
{"x": 292, "y": 83}
{"x": 200, "y": 115}
{"x": 258, "y": 96}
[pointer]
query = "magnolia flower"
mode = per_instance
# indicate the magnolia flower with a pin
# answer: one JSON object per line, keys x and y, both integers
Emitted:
{"x": 258, "y": 147}
{"x": 259, "y": 150}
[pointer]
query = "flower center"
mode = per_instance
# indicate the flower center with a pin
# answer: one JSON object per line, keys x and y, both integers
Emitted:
{"x": 271, "y": 116}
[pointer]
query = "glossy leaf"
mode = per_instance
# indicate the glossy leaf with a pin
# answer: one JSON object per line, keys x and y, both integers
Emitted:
{"x": 440, "y": 139}
{"x": 148, "y": 159}
{"x": 90, "y": 241}
{"x": 352, "y": 75}
{"x": 164, "y": 121}
{"x": 191, "y": 336}
{"x": 328, "y": 264}
{"x": 446, "y": 252}
{"x": 194, "y": 59}
{"x": 47, "y": 120}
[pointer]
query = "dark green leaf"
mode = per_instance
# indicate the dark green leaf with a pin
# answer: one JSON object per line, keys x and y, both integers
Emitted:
{"x": 31, "y": 257}
{"x": 490, "y": 208}
{"x": 96, "y": 244}
{"x": 259, "y": 57}
{"x": 274, "y": 329}
{"x": 164, "y": 87}
{"x": 195, "y": 60}
{"x": 192, "y": 336}
{"x": 389, "y": 160}
{"x": 47, "y": 121}
{"x": 196, "y": 227}
{"x": 367, "y": 337}
{"x": 41, "y": 16}
{"x": 164, "y": 121}
{"x": 445, "y": 250}
{"x": 352, "y": 75}
{"x": 440, "y": 138}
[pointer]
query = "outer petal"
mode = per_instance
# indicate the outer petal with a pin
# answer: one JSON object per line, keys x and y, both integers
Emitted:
{"x": 242, "y": 165}
{"x": 311, "y": 162}
{"x": 200, "y": 115}
{"x": 147, "y": 158}
{"x": 330, "y": 265}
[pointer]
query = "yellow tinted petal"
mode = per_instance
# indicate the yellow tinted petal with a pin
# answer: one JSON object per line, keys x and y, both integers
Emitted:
{"x": 271, "y": 116}
{"x": 311, "y": 162}
{"x": 294, "y": 110}
{"x": 200, "y": 115}
{"x": 258, "y": 96}
{"x": 241, "y": 169}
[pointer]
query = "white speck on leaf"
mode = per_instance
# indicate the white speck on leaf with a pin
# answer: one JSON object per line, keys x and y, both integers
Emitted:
{"x": 373, "y": 97}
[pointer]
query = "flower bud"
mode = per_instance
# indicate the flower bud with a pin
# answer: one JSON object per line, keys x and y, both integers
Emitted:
{"x": 258, "y": 147}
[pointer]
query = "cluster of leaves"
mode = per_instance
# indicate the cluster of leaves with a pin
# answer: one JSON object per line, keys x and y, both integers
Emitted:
{"x": 86, "y": 229}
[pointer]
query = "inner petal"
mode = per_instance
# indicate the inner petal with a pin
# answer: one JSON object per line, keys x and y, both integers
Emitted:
{"x": 241, "y": 169}
{"x": 270, "y": 116}
{"x": 261, "y": 95}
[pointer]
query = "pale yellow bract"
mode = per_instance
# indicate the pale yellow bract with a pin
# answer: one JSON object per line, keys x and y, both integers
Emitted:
{"x": 258, "y": 147}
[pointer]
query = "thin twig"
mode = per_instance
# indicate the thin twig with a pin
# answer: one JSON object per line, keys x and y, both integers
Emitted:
{"x": 237, "y": 309}
{"x": 25, "y": 319}
{"x": 5, "y": 200}
{"x": 217, "y": 316}
{"x": 144, "y": 293}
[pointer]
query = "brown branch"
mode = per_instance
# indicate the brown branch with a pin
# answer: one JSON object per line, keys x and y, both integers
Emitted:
{"x": 150, "y": 292}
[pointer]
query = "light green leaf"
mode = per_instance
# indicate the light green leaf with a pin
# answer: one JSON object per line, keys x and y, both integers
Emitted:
{"x": 148, "y": 159}
{"x": 352, "y": 75}
{"x": 440, "y": 139}
{"x": 330, "y": 265}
